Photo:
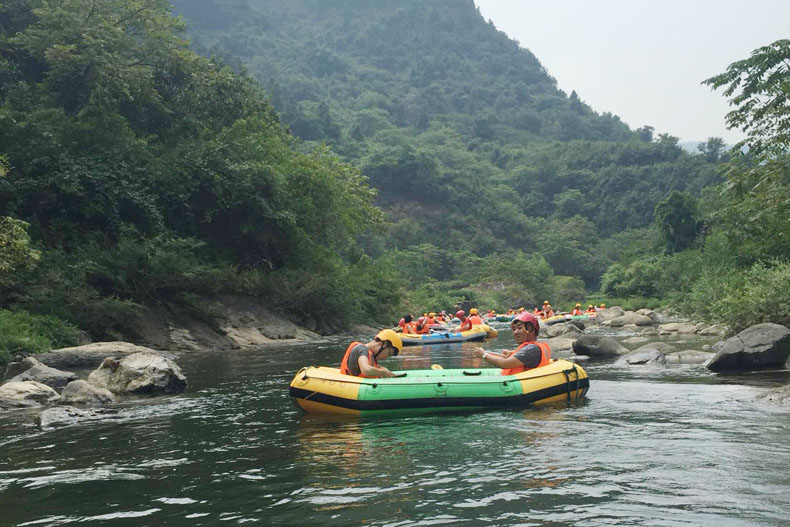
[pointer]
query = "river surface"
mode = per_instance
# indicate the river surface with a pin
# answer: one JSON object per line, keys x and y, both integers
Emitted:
{"x": 675, "y": 446}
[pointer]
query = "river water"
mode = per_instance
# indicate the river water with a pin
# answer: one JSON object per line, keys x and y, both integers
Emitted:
{"x": 674, "y": 446}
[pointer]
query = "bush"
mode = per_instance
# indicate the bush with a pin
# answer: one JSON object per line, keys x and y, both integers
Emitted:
{"x": 741, "y": 299}
{"x": 21, "y": 332}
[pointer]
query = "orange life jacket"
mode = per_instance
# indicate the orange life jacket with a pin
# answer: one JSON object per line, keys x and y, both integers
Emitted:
{"x": 410, "y": 328}
{"x": 423, "y": 330}
{"x": 545, "y": 357}
{"x": 476, "y": 319}
{"x": 576, "y": 311}
{"x": 429, "y": 321}
{"x": 344, "y": 363}
{"x": 466, "y": 324}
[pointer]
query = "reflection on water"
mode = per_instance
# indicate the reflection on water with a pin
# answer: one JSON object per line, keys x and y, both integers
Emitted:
{"x": 651, "y": 446}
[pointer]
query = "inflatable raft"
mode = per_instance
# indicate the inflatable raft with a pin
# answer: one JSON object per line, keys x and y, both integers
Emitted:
{"x": 479, "y": 332}
{"x": 325, "y": 390}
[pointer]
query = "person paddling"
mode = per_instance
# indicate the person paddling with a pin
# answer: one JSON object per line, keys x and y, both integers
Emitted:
{"x": 362, "y": 360}
{"x": 529, "y": 354}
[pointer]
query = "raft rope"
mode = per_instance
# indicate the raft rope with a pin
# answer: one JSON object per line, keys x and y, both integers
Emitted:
{"x": 568, "y": 379}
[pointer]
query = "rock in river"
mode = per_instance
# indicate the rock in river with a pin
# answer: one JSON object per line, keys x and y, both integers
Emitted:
{"x": 597, "y": 346}
{"x": 758, "y": 347}
{"x": 29, "y": 369}
{"x": 140, "y": 373}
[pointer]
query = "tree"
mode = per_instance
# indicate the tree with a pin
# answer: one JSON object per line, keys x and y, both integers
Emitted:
{"x": 712, "y": 149}
{"x": 677, "y": 218}
{"x": 760, "y": 89}
{"x": 757, "y": 217}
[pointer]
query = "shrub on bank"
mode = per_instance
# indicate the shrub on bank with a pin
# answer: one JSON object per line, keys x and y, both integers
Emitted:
{"x": 21, "y": 332}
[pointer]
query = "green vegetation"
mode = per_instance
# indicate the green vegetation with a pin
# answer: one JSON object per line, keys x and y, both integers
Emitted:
{"x": 478, "y": 157}
{"x": 400, "y": 156}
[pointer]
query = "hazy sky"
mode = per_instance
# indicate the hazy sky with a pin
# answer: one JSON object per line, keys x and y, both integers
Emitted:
{"x": 644, "y": 60}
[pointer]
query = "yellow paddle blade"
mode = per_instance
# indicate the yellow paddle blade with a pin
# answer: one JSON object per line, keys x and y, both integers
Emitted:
{"x": 436, "y": 367}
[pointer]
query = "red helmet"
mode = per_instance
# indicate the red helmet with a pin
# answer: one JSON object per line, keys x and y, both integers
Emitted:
{"x": 528, "y": 318}
{"x": 460, "y": 313}
{"x": 402, "y": 322}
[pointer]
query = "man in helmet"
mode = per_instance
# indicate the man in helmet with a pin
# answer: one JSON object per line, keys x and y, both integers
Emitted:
{"x": 529, "y": 354}
{"x": 590, "y": 309}
{"x": 577, "y": 311}
{"x": 474, "y": 316}
{"x": 362, "y": 360}
{"x": 466, "y": 323}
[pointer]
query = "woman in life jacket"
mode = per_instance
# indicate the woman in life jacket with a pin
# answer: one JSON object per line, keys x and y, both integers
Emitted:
{"x": 529, "y": 354}
{"x": 409, "y": 327}
{"x": 362, "y": 360}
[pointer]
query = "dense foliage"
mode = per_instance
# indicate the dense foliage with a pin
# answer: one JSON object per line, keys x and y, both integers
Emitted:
{"x": 345, "y": 160}
{"x": 477, "y": 155}
{"x": 137, "y": 172}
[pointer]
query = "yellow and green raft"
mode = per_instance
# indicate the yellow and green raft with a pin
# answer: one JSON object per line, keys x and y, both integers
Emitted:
{"x": 325, "y": 390}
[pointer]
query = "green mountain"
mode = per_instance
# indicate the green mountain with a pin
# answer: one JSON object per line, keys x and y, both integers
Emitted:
{"x": 467, "y": 138}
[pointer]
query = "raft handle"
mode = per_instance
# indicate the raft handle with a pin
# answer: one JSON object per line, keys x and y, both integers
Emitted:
{"x": 399, "y": 375}
{"x": 478, "y": 372}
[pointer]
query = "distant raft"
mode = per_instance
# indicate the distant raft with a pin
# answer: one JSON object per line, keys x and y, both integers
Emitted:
{"x": 479, "y": 332}
{"x": 326, "y": 390}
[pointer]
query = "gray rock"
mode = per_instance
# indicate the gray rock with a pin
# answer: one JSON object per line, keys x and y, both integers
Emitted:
{"x": 636, "y": 340}
{"x": 631, "y": 318}
{"x": 597, "y": 346}
{"x": 566, "y": 330}
{"x": 91, "y": 355}
{"x": 140, "y": 373}
{"x": 33, "y": 370}
{"x": 661, "y": 347}
{"x": 30, "y": 393}
{"x": 647, "y": 332}
{"x": 779, "y": 396}
{"x": 713, "y": 331}
{"x": 642, "y": 356}
{"x": 68, "y": 415}
{"x": 688, "y": 357}
{"x": 678, "y": 327}
{"x": 758, "y": 347}
{"x": 82, "y": 392}
{"x": 610, "y": 313}
{"x": 560, "y": 344}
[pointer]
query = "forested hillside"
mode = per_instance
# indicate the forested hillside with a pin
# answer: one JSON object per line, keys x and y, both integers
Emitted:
{"x": 346, "y": 160}
{"x": 477, "y": 156}
{"x": 134, "y": 172}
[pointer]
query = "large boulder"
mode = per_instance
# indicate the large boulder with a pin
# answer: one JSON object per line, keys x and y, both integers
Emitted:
{"x": 631, "y": 318}
{"x": 33, "y": 370}
{"x": 677, "y": 327}
{"x": 27, "y": 393}
{"x": 646, "y": 355}
{"x": 90, "y": 356}
{"x": 598, "y": 346}
{"x": 140, "y": 373}
{"x": 758, "y": 347}
{"x": 83, "y": 392}
{"x": 558, "y": 345}
{"x": 565, "y": 330}
{"x": 606, "y": 315}
{"x": 688, "y": 357}
{"x": 652, "y": 315}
